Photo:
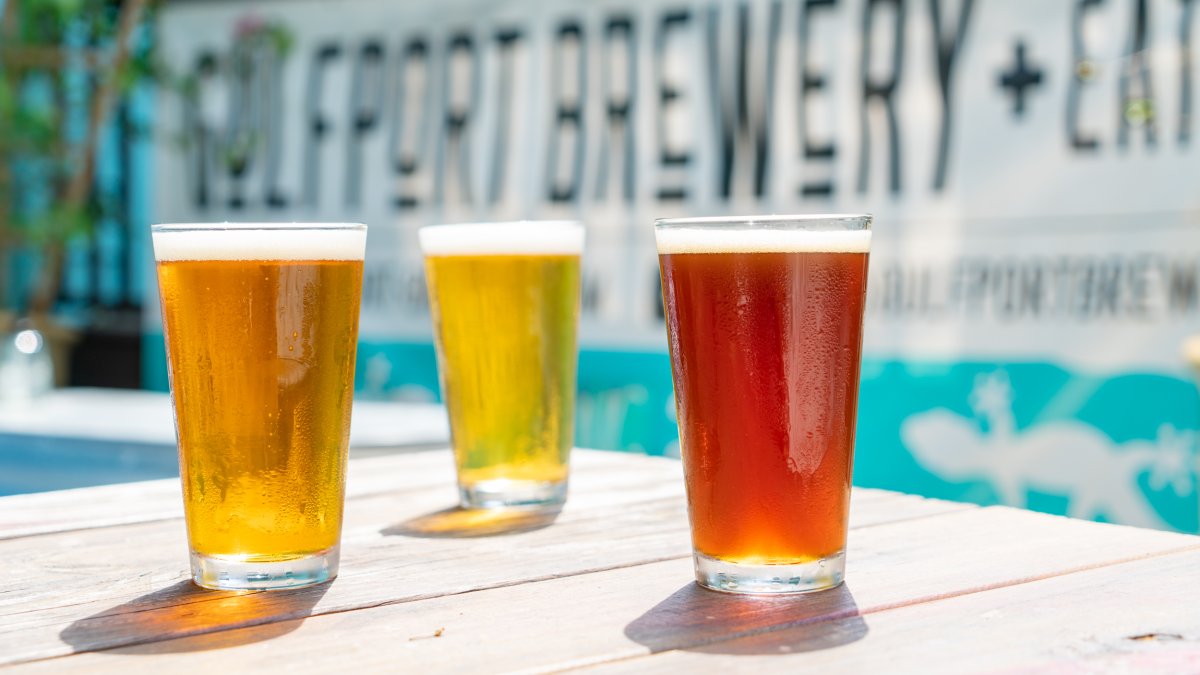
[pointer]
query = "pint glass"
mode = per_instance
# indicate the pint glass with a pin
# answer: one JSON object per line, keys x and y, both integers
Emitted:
{"x": 261, "y": 326}
{"x": 504, "y": 298}
{"x": 764, "y": 320}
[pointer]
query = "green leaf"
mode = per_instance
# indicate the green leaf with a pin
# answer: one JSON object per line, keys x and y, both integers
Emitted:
{"x": 281, "y": 38}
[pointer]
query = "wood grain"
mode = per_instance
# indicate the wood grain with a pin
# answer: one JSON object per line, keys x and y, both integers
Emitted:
{"x": 1135, "y": 617}
{"x": 111, "y": 562}
{"x": 103, "y": 587}
{"x": 146, "y": 501}
{"x": 615, "y": 615}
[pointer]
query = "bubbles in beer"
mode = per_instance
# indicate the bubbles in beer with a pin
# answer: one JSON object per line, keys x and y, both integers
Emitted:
{"x": 765, "y": 346}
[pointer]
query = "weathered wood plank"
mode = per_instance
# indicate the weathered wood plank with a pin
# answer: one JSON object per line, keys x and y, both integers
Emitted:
{"x": 124, "y": 561}
{"x": 127, "y": 588}
{"x": 632, "y": 611}
{"x": 53, "y": 568}
{"x": 147, "y": 501}
{"x": 1130, "y": 618}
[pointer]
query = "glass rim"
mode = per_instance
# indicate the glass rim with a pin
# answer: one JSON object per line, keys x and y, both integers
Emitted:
{"x": 863, "y": 221}
{"x": 256, "y": 226}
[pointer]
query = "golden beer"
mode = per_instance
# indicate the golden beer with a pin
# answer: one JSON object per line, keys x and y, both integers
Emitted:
{"x": 505, "y": 305}
{"x": 261, "y": 327}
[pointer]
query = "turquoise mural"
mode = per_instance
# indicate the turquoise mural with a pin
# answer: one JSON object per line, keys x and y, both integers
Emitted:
{"x": 1034, "y": 435}
{"x": 1120, "y": 449}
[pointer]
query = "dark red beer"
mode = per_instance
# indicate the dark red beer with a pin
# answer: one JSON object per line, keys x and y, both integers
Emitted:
{"x": 765, "y": 347}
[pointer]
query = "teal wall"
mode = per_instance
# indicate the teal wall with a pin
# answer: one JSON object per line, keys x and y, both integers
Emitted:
{"x": 624, "y": 400}
{"x": 1119, "y": 411}
{"x": 1072, "y": 434}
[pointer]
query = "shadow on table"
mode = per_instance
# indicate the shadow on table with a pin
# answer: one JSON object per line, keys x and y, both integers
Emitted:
{"x": 458, "y": 522}
{"x": 699, "y": 620}
{"x": 209, "y": 618}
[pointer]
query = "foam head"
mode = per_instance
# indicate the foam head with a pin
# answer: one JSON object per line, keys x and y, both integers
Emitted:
{"x": 260, "y": 241}
{"x": 745, "y": 240}
{"x": 519, "y": 238}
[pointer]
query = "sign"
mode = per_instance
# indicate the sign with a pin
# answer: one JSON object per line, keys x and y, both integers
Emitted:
{"x": 1036, "y": 263}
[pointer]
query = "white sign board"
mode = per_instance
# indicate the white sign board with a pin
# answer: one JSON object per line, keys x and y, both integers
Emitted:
{"x": 1031, "y": 165}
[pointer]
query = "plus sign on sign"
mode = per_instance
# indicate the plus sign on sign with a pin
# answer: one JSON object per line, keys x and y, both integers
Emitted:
{"x": 1031, "y": 166}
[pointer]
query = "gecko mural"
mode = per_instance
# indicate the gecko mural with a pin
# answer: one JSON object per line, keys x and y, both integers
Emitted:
{"x": 1068, "y": 458}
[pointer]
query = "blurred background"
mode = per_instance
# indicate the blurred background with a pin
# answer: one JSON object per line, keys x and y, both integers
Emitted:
{"x": 1032, "y": 168}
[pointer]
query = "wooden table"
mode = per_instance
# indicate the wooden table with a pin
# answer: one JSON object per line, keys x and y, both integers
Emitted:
{"x": 95, "y": 580}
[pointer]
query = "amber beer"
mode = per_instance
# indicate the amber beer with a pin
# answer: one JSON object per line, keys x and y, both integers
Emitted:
{"x": 261, "y": 325}
{"x": 764, "y": 318}
{"x": 504, "y": 298}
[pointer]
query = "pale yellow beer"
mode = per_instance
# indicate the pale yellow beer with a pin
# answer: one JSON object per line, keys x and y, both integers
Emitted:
{"x": 504, "y": 298}
{"x": 261, "y": 326}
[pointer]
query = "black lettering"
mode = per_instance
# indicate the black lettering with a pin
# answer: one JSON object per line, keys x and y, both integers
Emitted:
{"x": 619, "y": 94}
{"x": 668, "y": 96}
{"x": 506, "y": 43}
{"x": 460, "y": 97}
{"x": 568, "y": 113}
{"x": 274, "y": 108}
{"x": 1083, "y": 292}
{"x": 892, "y": 279}
{"x": 589, "y": 294}
{"x": 810, "y": 83}
{"x": 1060, "y": 286}
{"x": 975, "y": 285}
{"x": 242, "y": 133}
{"x": 1138, "y": 284}
{"x": 1032, "y": 287}
{"x": 410, "y": 100}
{"x": 882, "y": 91}
{"x": 1136, "y": 95}
{"x": 1083, "y": 72}
{"x": 318, "y": 125}
{"x": 660, "y": 311}
{"x": 738, "y": 135}
{"x": 200, "y": 135}
{"x": 1108, "y": 286}
{"x": 1004, "y": 289}
{"x": 1185, "y": 71}
{"x": 947, "y": 47}
{"x": 366, "y": 104}
{"x": 1182, "y": 286}
{"x": 930, "y": 307}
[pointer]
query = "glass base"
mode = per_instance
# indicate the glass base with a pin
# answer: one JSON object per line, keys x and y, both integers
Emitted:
{"x": 490, "y": 494}
{"x": 224, "y": 574}
{"x": 730, "y": 577}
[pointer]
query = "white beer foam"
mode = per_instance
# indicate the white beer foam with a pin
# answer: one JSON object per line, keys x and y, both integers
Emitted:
{"x": 518, "y": 238}
{"x": 712, "y": 240}
{"x": 259, "y": 241}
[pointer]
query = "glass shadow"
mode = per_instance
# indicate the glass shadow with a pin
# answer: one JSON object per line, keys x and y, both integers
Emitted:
{"x": 700, "y": 620}
{"x": 461, "y": 523}
{"x": 145, "y": 624}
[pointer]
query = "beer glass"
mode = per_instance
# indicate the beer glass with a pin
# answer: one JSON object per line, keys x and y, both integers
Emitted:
{"x": 261, "y": 326}
{"x": 504, "y": 298}
{"x": 764, "y": 320}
